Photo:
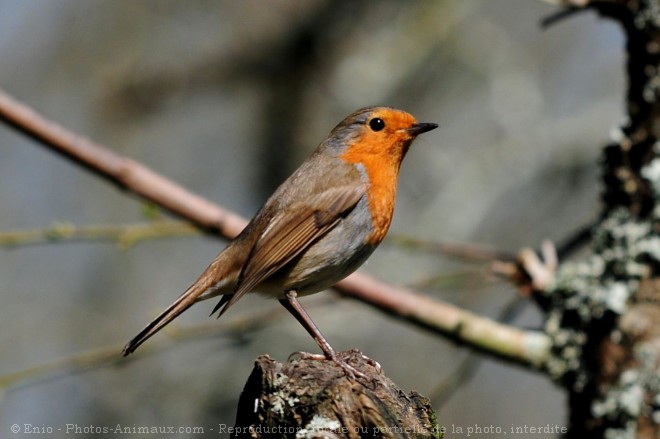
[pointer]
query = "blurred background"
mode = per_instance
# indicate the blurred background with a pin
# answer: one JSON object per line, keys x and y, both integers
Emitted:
{"x": 227, "y": 98}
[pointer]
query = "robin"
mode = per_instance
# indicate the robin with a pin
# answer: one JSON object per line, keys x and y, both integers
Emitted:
{"x": 318, "y": 227}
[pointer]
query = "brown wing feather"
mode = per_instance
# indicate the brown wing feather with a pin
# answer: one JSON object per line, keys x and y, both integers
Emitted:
{"x": 292, "y": 233}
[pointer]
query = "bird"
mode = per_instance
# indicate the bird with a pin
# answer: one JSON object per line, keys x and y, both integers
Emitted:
{"x": 319, "y": 225}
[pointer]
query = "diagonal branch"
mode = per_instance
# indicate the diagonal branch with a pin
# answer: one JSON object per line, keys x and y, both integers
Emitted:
{"x": 124, "y": 172}
{"x": 481, "y": 333}
{"x": 525, "y": 347}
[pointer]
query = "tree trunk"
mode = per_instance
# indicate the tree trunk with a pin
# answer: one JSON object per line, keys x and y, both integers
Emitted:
{"x": 603, "y": 312}
{"x": 307, "y": 398}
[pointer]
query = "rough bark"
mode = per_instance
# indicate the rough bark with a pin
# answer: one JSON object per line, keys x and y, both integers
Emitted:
{"x": 603, "y": 311}
{"x": 315, "y": 399}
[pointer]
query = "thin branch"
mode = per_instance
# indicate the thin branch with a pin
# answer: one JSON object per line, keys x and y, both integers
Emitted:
{"x": 468, "y": 367}
{"x": 108, "y": 355}
{"x": 579, "y": 238}
{"x": 525, "y": 347}
{"x": 461, "y": 375}
{"x": 567, "y": 3}
{"x": 125, "y": 235}
{"x": 481, "y": 253}
{"x": 504, "y": 341}
{"x": 124, "y": 172}
{"x": 562, "y": 15}
{"x": 467, "y": 252}
{"x": 460, "y": 280}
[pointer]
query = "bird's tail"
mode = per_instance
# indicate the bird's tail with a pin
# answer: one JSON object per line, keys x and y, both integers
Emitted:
{"x": 181, "y": 304}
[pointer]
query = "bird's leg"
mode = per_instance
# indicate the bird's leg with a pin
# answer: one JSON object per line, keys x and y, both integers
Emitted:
{"x": 294, "y": 307}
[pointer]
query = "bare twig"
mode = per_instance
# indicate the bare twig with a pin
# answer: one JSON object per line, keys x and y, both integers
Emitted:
{"x": 467, "y": 252}
{"x": 556, "y": 17}
{"x": 504, "y": 341}
{"x": 526, "y": 347}
{"x": 460, "y": 280}
{"x": 460, "y": 376}
{"x": 468, "y": 367}
{"x": 125, "y": 235}
{"x": 108, "y": 355}
{"x": 124, "y": 172}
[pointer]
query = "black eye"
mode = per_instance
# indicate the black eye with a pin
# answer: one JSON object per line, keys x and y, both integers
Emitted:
{"x": 376, "y": 124}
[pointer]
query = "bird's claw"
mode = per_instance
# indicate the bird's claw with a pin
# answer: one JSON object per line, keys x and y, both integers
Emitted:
{"x": 300, "y": 355}
{"x": 370, "y": 361}
{"x": 340, "y": 359}
{"x": 351, "y": 372}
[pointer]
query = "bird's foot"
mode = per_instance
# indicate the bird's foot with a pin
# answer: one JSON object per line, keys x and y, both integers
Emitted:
{"x": 370, "y": 361}
{"x": 341, "y": 360}
{"x": 300, "y": 355}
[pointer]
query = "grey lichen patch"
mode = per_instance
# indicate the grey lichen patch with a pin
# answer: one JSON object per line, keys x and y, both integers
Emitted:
{"x": 651, "y": 89}
{"x": 317, "y": 426}
{"x": 567, "y": 349}
{"x": 282, "y": 397}
{"x": 587, "y": 293}
{"x": 651, "y": 172}
{"x": 624, "y": 399}
{"x": 648, "y": 15}
{"x": 626, "y": 245}
{"x": 628, "y": 431}
{"x": 648, "y": 358}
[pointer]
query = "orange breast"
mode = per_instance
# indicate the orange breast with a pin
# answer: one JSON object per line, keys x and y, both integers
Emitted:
{"x": 381, "y": 164}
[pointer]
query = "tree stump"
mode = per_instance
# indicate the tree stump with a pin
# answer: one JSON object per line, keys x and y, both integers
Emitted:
{"x": 306, "y": 398}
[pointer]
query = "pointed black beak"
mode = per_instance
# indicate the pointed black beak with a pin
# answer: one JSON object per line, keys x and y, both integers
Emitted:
{"x": 420, "y": 128}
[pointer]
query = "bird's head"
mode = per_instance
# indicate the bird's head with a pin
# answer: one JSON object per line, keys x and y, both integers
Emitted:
{"x": 379, "y": 131}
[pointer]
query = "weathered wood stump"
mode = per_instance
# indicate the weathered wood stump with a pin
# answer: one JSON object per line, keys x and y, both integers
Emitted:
{"x": 305, "y": 398}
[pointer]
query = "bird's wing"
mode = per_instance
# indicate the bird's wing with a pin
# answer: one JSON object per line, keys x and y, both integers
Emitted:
{"x": 289, "y": 234}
